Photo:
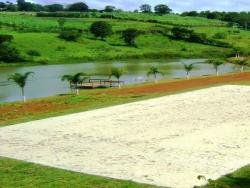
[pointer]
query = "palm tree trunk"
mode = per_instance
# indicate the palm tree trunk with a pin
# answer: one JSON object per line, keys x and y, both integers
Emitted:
{"x": 188, "y": 77}
{"x": 70, "y": 86}
{"x": 23, "y": 95}
{"x": 119, "y": 85}
{"x": 242, "y": 68}
{"x": 155, "y": 76}
{"x": 217, "y": 72}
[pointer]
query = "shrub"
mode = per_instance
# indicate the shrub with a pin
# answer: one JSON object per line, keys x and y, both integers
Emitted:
{"x": 220, "y": 35}
{"x": 198, "y": 37}
{"x": 181, "y": 33}
{"x": 33, "y": 53}
{"x": 129, "y": 36}
{"x": 9, "y": 54}
{"x": 101, "y": 29}
{"x": 6, "y": 38}
{"x": 61, "y": 22}
{"x": 70, "y": 35}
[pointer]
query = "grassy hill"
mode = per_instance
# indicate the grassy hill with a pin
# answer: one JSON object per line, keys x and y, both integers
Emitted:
{"x": 41, "y": 34}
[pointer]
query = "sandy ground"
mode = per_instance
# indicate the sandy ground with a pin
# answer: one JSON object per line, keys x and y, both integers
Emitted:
{"x": 167, "y": 141}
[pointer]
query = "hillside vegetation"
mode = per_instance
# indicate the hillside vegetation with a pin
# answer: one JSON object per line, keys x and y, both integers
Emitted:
{"x": 36, "y": 37}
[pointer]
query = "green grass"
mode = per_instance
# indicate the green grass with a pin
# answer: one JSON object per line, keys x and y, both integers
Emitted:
{"x": 41, "y": 34}
{"x": 16, "y": 174}
{"x": 238, "y": 179}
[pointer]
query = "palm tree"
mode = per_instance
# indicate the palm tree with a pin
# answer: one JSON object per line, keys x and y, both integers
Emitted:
{"x": 188, "y": 68}
{"x": 154, "y": 71}
{"x": 20, "y": 80}
{"x": 117, "y": 73}
{"x": 242, "y": 63}
{"x": 75, "y": 79}
{"x": 216, "y": 63}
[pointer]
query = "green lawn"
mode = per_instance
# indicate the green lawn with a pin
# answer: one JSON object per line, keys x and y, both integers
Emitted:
{"x": 17, "y": 174}
{"x": 238, "y": 179}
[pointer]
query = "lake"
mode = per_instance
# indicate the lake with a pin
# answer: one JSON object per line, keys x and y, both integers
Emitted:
{"x": 47, "y": 78}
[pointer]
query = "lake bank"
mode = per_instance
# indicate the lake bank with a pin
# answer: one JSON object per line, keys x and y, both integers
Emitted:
{"x": 47, "y": 78}
{"x": 16, "y": 112}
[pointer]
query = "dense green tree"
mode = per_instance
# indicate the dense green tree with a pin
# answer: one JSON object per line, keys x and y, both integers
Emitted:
{"x": 54, "y": 7}
{"x": 78, "y": 7}
{"x": 22, "y": 5}
{"x": 109, "y": 8}
{"x": 162, "y": 9}
{"x": 145, "y": 8}
{"x": 129, "y": 36}
{"x": 21, "y": 80}
{"x": 101, "y": 29}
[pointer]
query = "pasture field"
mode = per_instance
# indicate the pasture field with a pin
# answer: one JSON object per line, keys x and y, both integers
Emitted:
{"x": 41, "y": 34}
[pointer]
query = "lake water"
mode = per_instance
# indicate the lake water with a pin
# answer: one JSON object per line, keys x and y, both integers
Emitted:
{"x": 47, "y": 78}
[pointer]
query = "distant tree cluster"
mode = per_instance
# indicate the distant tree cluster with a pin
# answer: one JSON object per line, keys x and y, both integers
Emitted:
{"x": 22, "y": 5}
{"x": 183, "y": 33}
{"x": 158, "y": 9}
{"x": 240, "y": 18}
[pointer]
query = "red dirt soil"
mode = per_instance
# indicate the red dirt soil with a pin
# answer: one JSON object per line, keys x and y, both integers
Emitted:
{"x": 182, "y": 85}
{"x": 19, "y": 109}
{"x": 42, "y": 106}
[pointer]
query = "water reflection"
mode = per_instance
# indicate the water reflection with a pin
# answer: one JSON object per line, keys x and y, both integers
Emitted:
{"x": 47, "y": 79}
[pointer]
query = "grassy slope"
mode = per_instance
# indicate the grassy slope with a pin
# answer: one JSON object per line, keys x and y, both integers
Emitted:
{"x": 41, "y": 34}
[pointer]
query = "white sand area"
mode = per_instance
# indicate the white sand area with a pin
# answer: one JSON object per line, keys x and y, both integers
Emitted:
{"x": 166, "y": 141}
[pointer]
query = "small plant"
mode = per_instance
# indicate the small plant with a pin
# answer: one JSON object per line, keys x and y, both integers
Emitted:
{"x": 216, "y": 64}
{"x": 61, "y": 22}
{"x": 75, "y": 79}
{"x": 154, "y": 71}
{"x": 117, "y": 73}
{"x": 242, "y": 63}
{"x": 188, "y": 68}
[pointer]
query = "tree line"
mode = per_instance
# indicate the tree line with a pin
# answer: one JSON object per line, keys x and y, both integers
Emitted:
{"x": 22, "y": 5}
{"x": 241, "y": 19}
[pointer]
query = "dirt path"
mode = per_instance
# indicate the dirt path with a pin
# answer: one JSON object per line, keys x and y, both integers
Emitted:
{"x": 183, "y": 84}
